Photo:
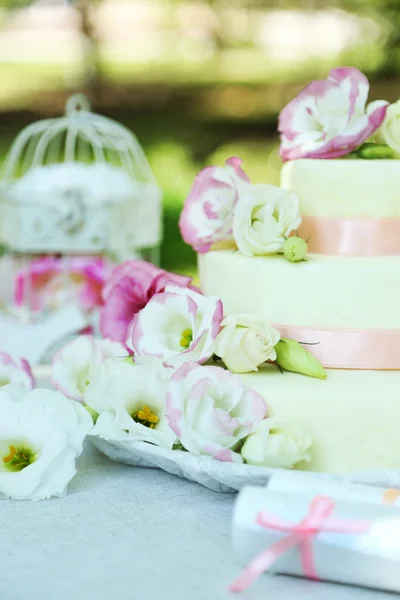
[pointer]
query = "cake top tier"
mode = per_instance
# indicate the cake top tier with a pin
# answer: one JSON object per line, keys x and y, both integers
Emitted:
{"x": 345, "y": 188}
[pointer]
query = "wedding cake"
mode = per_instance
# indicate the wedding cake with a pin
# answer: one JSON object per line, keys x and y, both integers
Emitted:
{"x": 340, "y": 194}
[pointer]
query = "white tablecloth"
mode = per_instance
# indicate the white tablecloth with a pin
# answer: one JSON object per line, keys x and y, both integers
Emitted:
{"x": 133, "y": 534}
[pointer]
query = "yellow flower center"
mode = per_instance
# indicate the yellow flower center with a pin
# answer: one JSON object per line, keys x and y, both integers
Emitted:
{"x": 145, "y": 416}
{"x": 186, "y": 339}
{"x": 18, "y": 458}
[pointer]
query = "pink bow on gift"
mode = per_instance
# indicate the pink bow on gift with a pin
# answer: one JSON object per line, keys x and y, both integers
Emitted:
{"x": 301, "y": 534}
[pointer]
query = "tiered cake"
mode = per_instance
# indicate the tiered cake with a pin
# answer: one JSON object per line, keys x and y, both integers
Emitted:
{"x": 343, "y": 301}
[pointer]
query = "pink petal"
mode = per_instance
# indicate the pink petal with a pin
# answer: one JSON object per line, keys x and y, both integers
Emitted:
{"x": 123, "y": 302}
{"x": 359, "y": 86}
{"x": 139, "y": 270}
{"x": 286, "y": 117}
{"x": 174, "y": 415}
{"x": 236, "y": 163}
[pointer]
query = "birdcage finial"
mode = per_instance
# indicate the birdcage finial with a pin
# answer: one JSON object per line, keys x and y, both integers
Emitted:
{"x": 76, "y": 104}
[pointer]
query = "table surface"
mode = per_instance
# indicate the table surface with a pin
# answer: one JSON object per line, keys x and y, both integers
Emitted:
{"x": 125, "y": 533}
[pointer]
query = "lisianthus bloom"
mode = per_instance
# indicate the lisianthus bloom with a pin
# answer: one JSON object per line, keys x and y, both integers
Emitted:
{"x": 72, "y": 365}
{"x": 329, "y": 118}
{"x": 208, "y": 210}
{"x": 130, "y": 402}
{"x": 211, "y": 410}
{"x": 15, "y": 371}
{"x": 179, "y": 325}
{"x": 50, "y": 282}
{"x": 41, "y": 434}
{"x": 131, "y": 285}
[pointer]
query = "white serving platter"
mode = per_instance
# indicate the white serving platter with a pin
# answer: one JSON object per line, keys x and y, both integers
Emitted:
{"x": 217, "y": 475}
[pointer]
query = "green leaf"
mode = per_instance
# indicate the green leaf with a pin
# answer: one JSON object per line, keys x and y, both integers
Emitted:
{"x": 178, "y": 446}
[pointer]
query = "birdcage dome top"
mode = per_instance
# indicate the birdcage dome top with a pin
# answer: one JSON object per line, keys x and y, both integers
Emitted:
{"x": 78, "y": 183}
{"x": 80, "y": 136}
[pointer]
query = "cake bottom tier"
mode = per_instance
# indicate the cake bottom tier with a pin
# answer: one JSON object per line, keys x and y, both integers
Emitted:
{"x": 353, "y": 416}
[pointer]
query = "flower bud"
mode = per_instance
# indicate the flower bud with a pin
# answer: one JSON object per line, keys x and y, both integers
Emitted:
{"x": 292, "y": 356}
{"x": 295, "y": 249}
{"x": 373, "y": 151}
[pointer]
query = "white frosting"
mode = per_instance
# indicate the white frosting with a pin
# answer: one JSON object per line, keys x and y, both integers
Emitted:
{"x": 325, "y": 291}
{"x": 345, "y": 188}
{"x": 353, "y": 416}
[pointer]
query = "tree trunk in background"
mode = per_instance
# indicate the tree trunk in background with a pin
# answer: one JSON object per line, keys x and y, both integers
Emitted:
{"x": 391, "y": 12}
{"x": 84, "y": 8}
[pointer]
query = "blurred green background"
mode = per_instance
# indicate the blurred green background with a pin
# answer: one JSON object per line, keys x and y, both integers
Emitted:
{"x": 196, "y": 80}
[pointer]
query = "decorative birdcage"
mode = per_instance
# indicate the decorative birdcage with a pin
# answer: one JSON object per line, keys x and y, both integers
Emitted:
{"x": 76, "y": 193}
{"x": 79, "y": 184}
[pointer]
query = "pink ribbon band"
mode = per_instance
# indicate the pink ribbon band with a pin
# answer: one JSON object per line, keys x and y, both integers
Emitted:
{"x": 352, "y": 237}
{"x": 300, "y": 534}
{"x": 368, "y": 349}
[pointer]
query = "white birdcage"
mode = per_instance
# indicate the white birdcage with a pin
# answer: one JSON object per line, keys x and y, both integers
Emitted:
{"x": 79, "y": 184}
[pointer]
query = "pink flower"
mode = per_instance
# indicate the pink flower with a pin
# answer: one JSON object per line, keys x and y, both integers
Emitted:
{"x": 50, "y": 282}
{"x": 208, "y": 211}
{"x": 177, "y": 326}
{"x": 130, "y": 287}
{"x": 329, "y": 118}
{"x": 211, "y": 410}
{"x": 16, "y": 371}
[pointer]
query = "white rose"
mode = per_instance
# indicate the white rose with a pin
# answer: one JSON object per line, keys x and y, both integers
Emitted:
{"x": 263, "y": 218}
{"x": 246, "y": 342}
{"x": 41, "y": 434}
{"x": 130, "y": 401}
{"x": 277, "y": 443}
{"x": 389, "y": 131}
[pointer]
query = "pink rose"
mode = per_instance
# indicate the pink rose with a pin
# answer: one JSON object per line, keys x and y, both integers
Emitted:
{"x": 211, "y": 411}
{"x": 208, "y": 210}
{"x": 50, "y": 282}
{"x": 130, "y": 287}
{"x": 329, "y": 118}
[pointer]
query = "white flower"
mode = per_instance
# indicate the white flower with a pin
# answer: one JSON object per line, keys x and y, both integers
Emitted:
{"x": 15, "y": 371}
{"x": 179, "y": 325}
{"x": 131, "y": 402}
{"x": 211, "y": 410}
{"x": 41, "y": 434}
{"x": 72, "y": 365}
{"x": 389, "y": 131}
{"x": 246, "y": 342}
{"x": 263, "y": 218}
{"x": 277, "y": 443}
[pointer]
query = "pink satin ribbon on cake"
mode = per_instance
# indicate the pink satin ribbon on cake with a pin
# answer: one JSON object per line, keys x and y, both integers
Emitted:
{"x": 375, "y": 349}
{"x": 300, "y": 534}
{"x": 351, "y": 237}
